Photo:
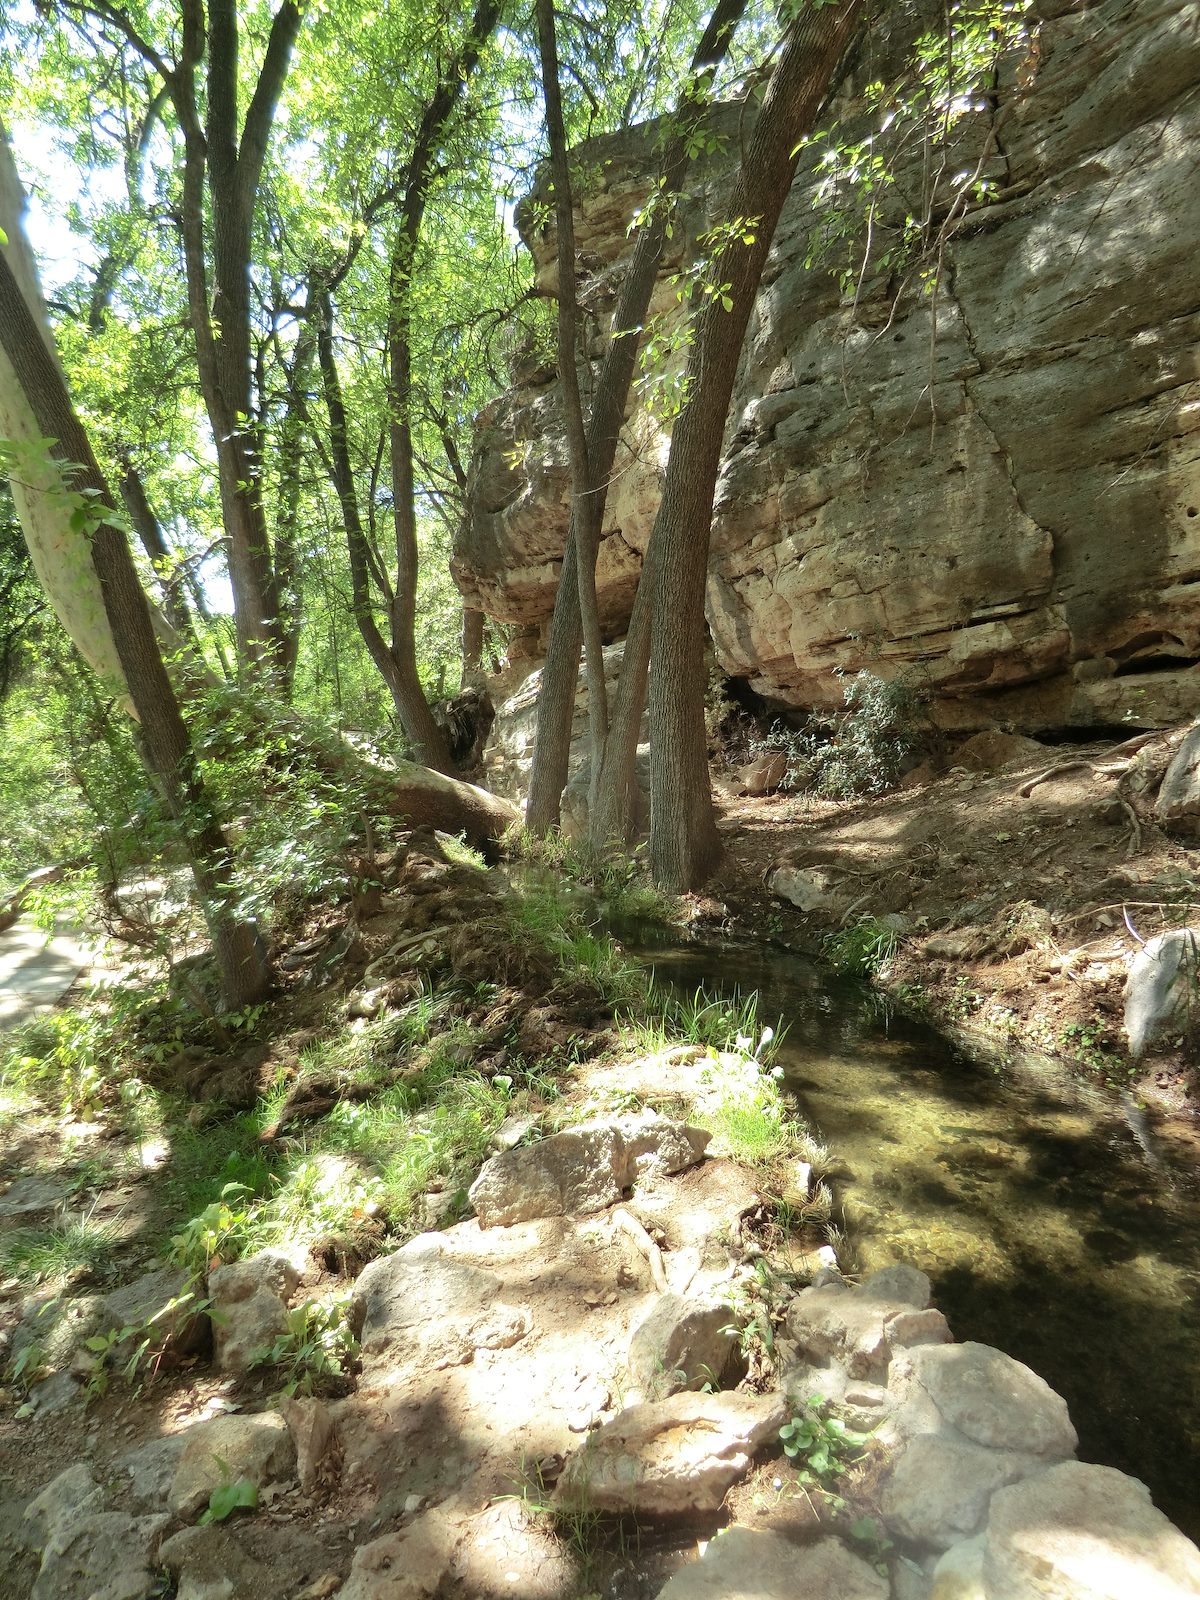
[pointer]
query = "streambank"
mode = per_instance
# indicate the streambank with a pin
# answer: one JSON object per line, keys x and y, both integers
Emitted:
{"x": 1002, "y": 904}
{"x": 569, "y": 1391}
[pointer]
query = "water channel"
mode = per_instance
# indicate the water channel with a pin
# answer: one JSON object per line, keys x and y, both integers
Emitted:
{"x": 1056, "y": 1220}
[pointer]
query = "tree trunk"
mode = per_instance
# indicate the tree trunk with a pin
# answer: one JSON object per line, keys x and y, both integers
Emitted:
{"x": 556, "y": 702}
{"x": 683, "y": 836}
{"x": 420, "y": 175}
{"x": 245, "y": 974}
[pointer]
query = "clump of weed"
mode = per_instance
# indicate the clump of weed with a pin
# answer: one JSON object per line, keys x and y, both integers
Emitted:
{"x": 861, "y": 949}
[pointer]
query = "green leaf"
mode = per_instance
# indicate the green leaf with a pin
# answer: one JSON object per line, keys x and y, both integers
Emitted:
{"x": 238, "y": 1495}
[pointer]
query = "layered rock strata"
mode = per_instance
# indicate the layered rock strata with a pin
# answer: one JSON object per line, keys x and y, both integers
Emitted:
{"x": 996, "y": 487}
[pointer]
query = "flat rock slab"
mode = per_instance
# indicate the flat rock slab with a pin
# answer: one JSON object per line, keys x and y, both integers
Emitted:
{"x": 1080, "y": 1532}
{"x": 250, "y": 1561}
{"x": 419, "y": 1307}
{"x": 32, "y": 1195}
{"x": 741, "y": 1564}
{"x": 671, "y": 1457}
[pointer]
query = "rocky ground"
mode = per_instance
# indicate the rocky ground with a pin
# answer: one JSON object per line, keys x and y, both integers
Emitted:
{"x": 574, "y": 1390}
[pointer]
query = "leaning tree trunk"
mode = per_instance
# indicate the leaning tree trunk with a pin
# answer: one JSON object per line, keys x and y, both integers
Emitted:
{"x": 683, "y": 835}
{"x": 88, "y": 572}
{"x": 87, "y": 506}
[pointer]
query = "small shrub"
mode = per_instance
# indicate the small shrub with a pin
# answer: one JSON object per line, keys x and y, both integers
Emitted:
{"x": 820, "y": 1443}
{"x": 858, "y": 751}
{"x": 316, "y": 1346}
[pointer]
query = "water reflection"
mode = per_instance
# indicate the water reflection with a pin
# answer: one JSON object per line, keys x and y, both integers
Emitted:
{"x": 1055, "y": 1222}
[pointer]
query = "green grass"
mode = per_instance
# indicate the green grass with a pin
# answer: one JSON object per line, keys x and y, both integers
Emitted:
{"x": 46, "y": 1255}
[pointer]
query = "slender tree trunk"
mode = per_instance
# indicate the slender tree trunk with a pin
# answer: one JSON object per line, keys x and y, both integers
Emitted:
{"x": 420, "y": 175}
{"x": 245, "y": 974}
{"x": 683, "y": 837}
{"x": 581, "y": 518}
{"x": 556, "y": 701}
{"x": 232, "y": 169}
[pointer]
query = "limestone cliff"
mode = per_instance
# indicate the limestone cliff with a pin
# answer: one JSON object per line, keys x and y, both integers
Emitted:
{"x": 996, "y": 488}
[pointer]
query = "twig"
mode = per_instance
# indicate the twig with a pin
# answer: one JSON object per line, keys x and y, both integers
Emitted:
{"x": 633, "y": 1229}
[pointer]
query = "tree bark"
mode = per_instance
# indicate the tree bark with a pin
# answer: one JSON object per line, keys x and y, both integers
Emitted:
{"x": 245, "y": 973}
{"x": 684, "y": 844}
{"x": 560, "y": 672}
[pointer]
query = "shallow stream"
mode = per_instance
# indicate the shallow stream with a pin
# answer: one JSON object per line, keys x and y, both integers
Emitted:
{"x": 1056, "y": 1220}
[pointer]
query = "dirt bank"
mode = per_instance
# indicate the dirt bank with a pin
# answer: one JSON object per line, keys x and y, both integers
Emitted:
{"x": 1006, "y": 909}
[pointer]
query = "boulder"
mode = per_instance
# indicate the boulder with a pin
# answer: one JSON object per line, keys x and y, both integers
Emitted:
{"x": 585, "y": 1169}
{"x": 986, "y": 1397}
{"x": 420, "y": 1308}
{"x": 104, "y": 1555}
{"x": 992, "y": 750}
{"x": 225, "y": 1449}
{"x": 1162, "y": 991}
{"x": 671, "y": 1458}
{"x": 959, "y": 1573}
{"x": 158, "y": 1305}
{"x": 682, "y": 1344}
{"x": 150, "y": 1470}
{"x": 807, "y": 888}
{"x": 1081, "y": 1532}
{"x": 311, "y": 1425}
{"x": 938, "y": 1488}
{"x": 73, "y": 1494}
{"x": 765, "y": 774}
{"x": 860, "y": 1330}
{"x": 1178, "y": 805}
{"x": 410, "y": 1564}
{"x": 742, "y": 1564}
{"x": 249, "y": 1303}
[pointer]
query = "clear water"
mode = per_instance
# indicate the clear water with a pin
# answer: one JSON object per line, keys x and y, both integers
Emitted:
{"x": 1056, "y": 1221}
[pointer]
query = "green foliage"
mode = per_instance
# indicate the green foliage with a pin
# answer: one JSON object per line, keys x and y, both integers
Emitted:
{"x": 935, "y": 125}
{"x": 228, "y": 1496}
{"x": 860, "y": 949}
{"x": 68, "y": 1248}
{"x": 316, "y": 1346}
{"x": 820, "y": 1443}
{"x": 216, "y": 1236}
{"x": 860, "y": 750}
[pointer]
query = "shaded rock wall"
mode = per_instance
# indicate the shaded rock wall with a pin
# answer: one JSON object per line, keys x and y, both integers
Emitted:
{"x": 998, "y": 489}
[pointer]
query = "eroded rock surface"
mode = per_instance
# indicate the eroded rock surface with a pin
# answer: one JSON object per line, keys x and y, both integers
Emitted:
{"x": 1004, "y": 501}
{"x": 673, "y": 1457}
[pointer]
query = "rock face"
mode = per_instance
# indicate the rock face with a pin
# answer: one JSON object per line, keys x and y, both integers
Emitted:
{"x": 997, "y": 489}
